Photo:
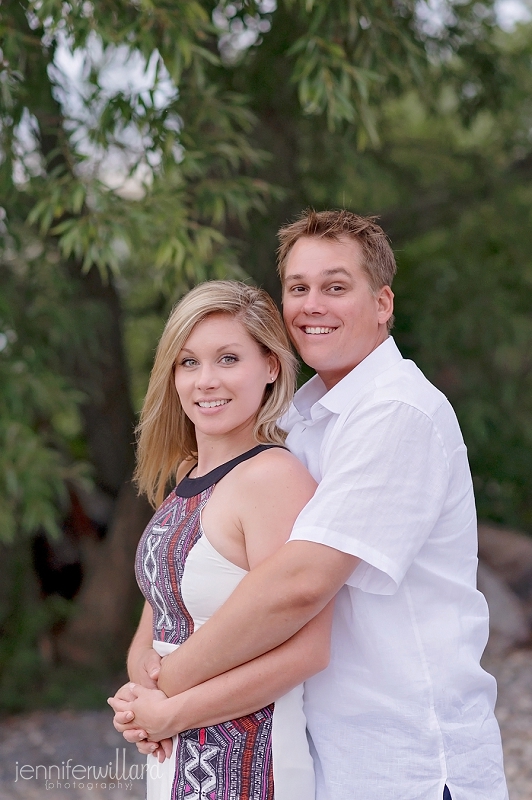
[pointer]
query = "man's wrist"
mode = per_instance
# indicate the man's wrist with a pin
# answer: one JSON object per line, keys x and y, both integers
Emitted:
{"x": 175, "y": 715}
{"x": 163, "y": 721}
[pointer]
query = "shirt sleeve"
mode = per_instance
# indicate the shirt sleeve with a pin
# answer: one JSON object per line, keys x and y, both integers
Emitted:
{"x": 382, "y": 492}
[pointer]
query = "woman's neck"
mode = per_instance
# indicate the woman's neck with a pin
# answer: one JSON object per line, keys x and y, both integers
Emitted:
{"x": 215, "y": 451}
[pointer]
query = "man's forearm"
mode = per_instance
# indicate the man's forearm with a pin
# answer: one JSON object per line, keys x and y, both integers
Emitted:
{"x": 268, "y": 607}
{"x": 257, "y": 683}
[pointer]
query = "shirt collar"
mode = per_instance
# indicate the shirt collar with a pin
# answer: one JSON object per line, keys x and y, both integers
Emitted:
{"x": 309, "y": 394}
{"x": 314, "y": 392}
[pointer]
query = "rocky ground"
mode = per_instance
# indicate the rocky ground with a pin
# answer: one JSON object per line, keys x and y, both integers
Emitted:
{"x": 514, "y": 712}
{"x": 108, "y": 767}
{"x": 108, "y": 770}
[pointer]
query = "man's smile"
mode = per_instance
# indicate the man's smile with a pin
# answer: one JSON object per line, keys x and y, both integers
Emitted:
{"x": 314, "y": 330}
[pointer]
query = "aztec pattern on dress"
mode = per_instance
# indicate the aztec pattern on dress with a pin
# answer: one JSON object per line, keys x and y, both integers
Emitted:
{"x": 161, "y": 555}
{"x": 229, "y": 761}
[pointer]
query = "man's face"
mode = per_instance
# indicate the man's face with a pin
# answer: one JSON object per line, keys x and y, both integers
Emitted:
{"x": 332, "y": 316}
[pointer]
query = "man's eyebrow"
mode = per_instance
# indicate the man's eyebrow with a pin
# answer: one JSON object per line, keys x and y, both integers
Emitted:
{"x": 336, "y": 270}
{"x": 326, "y": 273}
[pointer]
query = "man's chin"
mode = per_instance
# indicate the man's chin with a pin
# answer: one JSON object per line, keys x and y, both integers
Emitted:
{"x": 318, "y": 367}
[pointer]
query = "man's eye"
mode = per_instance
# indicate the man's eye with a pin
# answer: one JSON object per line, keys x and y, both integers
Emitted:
{"x": 297, "y": 289}
{"x": 335, "y": 289}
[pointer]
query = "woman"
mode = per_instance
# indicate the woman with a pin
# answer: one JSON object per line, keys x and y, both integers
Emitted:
{"x": 223, "y": 375}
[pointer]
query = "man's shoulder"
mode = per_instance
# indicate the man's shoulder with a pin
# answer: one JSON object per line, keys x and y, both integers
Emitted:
{"x": 406, "y": 387}
{"x": 405, "y": 383}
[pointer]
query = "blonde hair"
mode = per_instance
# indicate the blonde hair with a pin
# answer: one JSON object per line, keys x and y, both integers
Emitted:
{"x": 165, "y": 435}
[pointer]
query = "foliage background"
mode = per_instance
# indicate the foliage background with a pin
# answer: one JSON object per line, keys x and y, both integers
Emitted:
{"x": 146, "y": 146}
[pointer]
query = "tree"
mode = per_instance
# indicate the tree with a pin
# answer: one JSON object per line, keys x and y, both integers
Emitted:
{"x": 241, "y": 113}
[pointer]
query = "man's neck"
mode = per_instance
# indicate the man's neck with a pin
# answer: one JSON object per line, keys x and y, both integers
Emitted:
{"x": 332, "y": 377}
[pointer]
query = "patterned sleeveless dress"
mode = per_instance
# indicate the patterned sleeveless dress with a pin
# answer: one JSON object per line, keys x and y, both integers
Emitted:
{"x": 262, "y": 756}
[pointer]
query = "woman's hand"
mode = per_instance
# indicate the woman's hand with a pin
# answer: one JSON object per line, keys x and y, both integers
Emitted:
{"x": 125, "y": 723}
{"x": 160, "y": 751}
{"x": 145, "y": 667}
{"x": 144, "y": 716}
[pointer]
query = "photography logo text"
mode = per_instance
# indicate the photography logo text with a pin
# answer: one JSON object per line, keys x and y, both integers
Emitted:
{"x": 113, "y": 775}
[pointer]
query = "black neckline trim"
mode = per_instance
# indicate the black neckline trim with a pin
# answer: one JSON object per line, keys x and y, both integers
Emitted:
{"x": 189, "y": 487}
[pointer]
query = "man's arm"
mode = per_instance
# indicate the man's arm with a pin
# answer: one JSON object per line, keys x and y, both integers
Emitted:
{"x": 377, "y": 503}
{"x": 269, "y": 606}
{"x": 234, "y": 694}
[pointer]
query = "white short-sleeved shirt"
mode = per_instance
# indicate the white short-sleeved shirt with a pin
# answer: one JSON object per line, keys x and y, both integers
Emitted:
{"x": 404, "y": 706}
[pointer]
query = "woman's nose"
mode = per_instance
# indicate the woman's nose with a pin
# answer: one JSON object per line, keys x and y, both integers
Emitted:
{"x": 206, "y": 377}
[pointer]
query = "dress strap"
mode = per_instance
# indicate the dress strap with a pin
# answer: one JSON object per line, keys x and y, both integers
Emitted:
{"x": 190, "y": 487}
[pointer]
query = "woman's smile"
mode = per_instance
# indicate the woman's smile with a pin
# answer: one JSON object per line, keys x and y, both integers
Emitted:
{"x": 212, "y": 403}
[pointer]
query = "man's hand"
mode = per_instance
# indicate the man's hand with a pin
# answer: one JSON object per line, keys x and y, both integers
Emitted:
{"x": 124, "y": 722}
{"x": 143, "y": 718}
{"x": 124, "y": 715}
{"x": 123, "y": 719}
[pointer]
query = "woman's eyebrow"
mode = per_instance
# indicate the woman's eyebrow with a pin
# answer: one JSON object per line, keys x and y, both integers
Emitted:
{"x": 230, "y": 346}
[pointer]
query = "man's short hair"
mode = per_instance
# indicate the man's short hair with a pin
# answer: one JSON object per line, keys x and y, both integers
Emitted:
{"x": 379, "y": 260}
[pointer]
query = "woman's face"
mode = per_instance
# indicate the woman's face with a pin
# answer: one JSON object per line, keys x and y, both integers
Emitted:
{"x": 220, "y": 376}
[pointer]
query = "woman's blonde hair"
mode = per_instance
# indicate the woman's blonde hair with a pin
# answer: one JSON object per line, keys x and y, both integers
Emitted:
{"x": 165, "y": 435}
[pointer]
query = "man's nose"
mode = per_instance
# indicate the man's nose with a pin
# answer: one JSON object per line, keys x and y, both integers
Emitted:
{"x": 314, "y": 302}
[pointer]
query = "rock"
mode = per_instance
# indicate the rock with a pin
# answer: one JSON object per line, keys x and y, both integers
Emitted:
{"x": 509, "y": 554}
{"x": 508, "y": 621}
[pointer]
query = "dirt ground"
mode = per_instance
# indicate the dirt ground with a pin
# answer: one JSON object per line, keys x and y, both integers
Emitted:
{"x": 38, "y": 751}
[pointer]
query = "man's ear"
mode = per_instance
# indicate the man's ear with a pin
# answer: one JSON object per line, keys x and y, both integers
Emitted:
{"x": 385, "y": 304}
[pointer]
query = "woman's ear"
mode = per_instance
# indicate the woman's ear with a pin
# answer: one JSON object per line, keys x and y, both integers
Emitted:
{"x": 273, "y": 363}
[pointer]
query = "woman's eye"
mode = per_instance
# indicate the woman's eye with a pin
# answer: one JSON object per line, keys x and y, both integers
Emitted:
{"x": 228, "y": 359}
{"x": 188, "y": 362}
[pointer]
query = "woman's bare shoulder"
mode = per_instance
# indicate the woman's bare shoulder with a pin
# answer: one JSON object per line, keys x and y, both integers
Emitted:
{"x": 267, "y": 498}
{"x": 275, "y": 467}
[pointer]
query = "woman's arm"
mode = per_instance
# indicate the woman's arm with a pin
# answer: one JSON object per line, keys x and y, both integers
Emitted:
{"x": 143, "y": 663}
{"x": 236, "y": 693}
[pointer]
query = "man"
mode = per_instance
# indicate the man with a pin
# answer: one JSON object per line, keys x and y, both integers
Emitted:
{"x": 404, "y": 710}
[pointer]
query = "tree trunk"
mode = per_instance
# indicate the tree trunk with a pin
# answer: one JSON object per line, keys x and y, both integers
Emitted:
{"x": 98, "y": 633}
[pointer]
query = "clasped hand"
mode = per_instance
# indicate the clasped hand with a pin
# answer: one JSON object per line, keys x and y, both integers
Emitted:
{"x": 141, "y": 713}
